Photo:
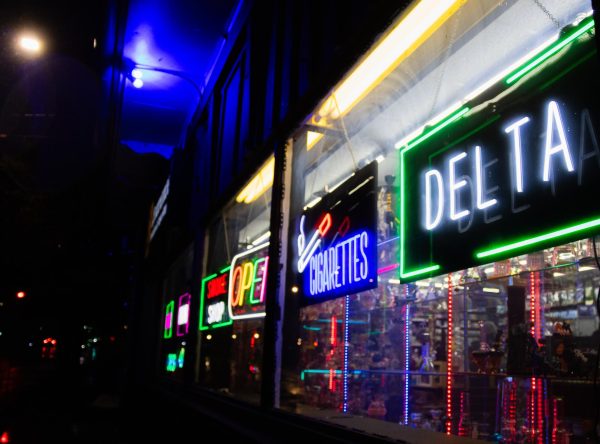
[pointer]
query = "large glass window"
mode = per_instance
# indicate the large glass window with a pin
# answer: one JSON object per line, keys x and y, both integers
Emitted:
{"x": 232, "y": 296}
{"x": 498, "y": 350}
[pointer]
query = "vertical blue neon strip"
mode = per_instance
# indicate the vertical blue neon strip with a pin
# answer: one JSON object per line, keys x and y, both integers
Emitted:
{"x": 346, "y": 336}
{"x": 406, "y": 362}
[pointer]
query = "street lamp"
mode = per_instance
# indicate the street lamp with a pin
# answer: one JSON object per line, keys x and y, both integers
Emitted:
{"x": 30, "y": 44}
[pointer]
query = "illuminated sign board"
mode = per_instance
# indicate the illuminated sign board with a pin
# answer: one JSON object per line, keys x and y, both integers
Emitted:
{"x": 517, "y": 173}
{"x": 214, "y": 299}
{"x": 337, "y": 242}
{"x": 248, "y": 283}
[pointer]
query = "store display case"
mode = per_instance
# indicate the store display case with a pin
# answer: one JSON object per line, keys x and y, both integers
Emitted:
{"x": 517, "y": 364}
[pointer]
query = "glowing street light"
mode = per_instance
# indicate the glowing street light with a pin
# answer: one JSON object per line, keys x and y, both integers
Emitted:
{"x": 30, "y": 44}
{"x": 21, "y": 294}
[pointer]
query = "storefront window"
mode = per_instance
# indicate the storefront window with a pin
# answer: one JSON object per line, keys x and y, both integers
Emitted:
{"x": 175, "y": 325}
{"x": 442, "y": 341}
{"x": 232, "y": 292}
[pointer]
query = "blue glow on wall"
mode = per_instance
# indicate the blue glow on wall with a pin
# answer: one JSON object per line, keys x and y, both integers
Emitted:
{"x": 181, "y": 38}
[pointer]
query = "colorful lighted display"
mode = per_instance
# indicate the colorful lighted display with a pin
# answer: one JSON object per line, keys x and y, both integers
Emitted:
{"x": 336, "y": 242}
{"x": 181, "y": 357}
{"x": 474, "y": 183}
{"x": 248, "y": 283}
{"x": 169, "y": 318}
{"x": 171, "y": 362}
{"x": 214, "y": 293}
{"x": 183, "y": 314}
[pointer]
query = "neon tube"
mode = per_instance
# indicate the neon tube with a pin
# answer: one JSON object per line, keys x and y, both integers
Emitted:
{"x": 584, "y": 26}
{"x": 346, "y": 350}
{"x": 261, "y": 182}
{"x": 449, "y": 359}
{"x": 452, "y": 117}
{"x": 183, "y": 314}
{"x": 169, "y": 320}
{"x": 496, "y": 250}
{"x": 406, "y": 359}
{"x": 416, "y": 26}
{"x": 387, "y": 268}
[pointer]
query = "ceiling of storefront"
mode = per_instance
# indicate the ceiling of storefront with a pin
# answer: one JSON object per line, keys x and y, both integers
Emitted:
{"x": 174, "y": 43}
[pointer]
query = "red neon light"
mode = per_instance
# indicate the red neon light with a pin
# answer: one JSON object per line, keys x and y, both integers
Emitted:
{"x": 331, "y": 374}
{"x": 252, "y": 341}
{"x": 531, "y": 410}
{"x": 449, "y": 360}
{"x": 387, "y": 268}
{"x": 540, "y": 411}
{"x": 325, "y": 224}
{"x": 333, "y": 330}
{"x": 344, "y": 226}
{"x": 554, "y": 421}
{"x": 4, "y": 439}
{"x": 216, "y": 286}
{"x": 512, "y": 411}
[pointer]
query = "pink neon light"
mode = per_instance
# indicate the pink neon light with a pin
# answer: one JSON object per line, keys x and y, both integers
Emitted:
{"x": 168, "y": 321}
{"x": 387, "y": 268}
{"x": 183, "y": 313}
{"x": 449, "y": 360}
{"x": 325, "y": 224}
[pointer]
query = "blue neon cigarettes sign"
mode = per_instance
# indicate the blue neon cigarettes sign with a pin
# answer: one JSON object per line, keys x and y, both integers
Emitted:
{"x": 336, "y": 240}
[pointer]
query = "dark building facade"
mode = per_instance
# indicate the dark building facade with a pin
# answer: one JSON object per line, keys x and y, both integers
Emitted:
{"x": 380, "y": 225}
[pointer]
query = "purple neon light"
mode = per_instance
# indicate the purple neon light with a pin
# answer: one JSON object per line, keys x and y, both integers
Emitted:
{"x": 346, "y": 350}
{"x": 387, "y": 268}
